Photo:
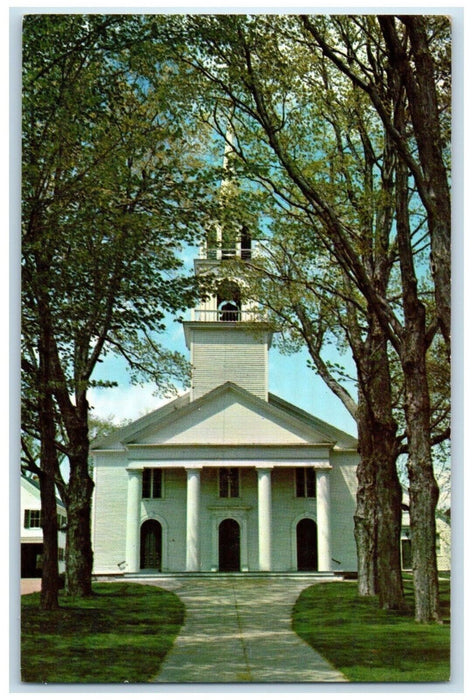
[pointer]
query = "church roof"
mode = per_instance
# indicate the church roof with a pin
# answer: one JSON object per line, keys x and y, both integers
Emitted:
{"x": 340, "y": 439}
{"x": 227, "y": 414}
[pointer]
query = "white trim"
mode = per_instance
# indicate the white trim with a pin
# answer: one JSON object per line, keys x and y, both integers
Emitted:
{"x": 324, "y": 514}
{"x": 133, "y": 514}
{"x": 217, "y": 463}
{"x": 193, "y": 561}
{"x": 263, "y": 473}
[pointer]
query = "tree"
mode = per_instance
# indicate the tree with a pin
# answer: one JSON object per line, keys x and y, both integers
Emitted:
{"x": 111, "y": 189}
{"x": 417, "y": 52}
{"x": 272, "y": 71}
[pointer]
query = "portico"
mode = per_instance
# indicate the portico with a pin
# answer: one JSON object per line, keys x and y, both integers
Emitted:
{"x": 241, "y": 508}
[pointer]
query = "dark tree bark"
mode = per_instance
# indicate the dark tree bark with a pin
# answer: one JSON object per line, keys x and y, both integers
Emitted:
{"x": 423, "y": 489}
{"x": 77, "y": 493}
{"x": 79, "y": 555}
{"x": 78, "y": 498}
{"x": 384, "y": 453}
{"x": 366, "y": 512}
{"x": 379, "y": 496}
{"x": 50, "y": 571}
{"x": 49, "y": 468}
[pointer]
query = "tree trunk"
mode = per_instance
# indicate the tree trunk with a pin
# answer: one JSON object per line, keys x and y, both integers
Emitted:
{"x": 79, "y": 489}
{"x": 423, "y": 489}
{"x": 366, "y": 511}
{"x": 50, "y": 571}
{"x": 49, "y": 467}
{"x": 379, "y": 493}
{"x": 389, "y": 500}
{"x": 79, "y": 555}
{"x": 384, "y": 448}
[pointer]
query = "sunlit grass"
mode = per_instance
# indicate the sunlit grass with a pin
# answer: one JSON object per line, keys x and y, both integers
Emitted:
{"x": 120, "y": 635}
{"x": 372, "y": 645}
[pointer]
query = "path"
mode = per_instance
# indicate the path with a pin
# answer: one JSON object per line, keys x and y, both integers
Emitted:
{"x": 239, "y": 630}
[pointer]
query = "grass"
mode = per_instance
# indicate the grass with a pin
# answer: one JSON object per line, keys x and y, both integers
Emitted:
{"x": 120, "y": 635}
{"x": 371, "y": 645}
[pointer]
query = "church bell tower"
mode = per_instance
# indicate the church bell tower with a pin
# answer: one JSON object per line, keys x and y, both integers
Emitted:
{"x": 228, "y": 338}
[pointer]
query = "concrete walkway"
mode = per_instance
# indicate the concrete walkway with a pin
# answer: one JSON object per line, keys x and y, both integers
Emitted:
{"x": 239, "y": 630}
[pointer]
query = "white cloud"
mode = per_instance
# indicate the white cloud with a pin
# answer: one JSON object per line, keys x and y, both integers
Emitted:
{"x": 125, "y": 402}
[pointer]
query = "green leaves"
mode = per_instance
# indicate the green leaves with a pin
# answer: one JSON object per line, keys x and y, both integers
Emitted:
{"x": 114, "y": 186}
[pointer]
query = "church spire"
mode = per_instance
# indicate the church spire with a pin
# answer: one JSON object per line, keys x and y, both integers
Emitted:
{"x": 227, "y": 239}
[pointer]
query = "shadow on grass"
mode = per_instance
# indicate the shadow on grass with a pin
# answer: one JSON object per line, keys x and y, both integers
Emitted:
{"x": 121, "y": 634}
{"x": 372, "y": 645}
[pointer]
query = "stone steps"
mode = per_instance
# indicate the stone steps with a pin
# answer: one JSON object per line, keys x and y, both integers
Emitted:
{"x": 237, "y": 575}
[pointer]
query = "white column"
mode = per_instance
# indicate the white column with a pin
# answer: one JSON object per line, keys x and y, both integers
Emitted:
{"x": 133, "y": 520}
{"x": 323, "y": 520}
{"x": 264, "y": 517}
{"x": 193, "y": 512}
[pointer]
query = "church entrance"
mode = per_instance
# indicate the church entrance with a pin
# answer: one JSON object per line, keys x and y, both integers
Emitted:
{"x": 229, "y": 545}
{"x": 151, "y": 545}
{"x": 306, "y": 545}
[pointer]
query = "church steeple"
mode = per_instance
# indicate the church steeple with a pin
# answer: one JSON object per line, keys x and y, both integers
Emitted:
{"x": 227, "y": 337}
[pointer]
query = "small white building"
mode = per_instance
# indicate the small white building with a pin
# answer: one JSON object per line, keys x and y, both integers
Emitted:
{"x": 31, "y": 532}
{"x": 443, "y": 539}
{"x": 228, "y": 477}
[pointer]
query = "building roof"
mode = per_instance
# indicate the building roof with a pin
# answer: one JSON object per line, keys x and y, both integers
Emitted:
{"x": 32, "y": 485}
{"x": 222, "y": 413}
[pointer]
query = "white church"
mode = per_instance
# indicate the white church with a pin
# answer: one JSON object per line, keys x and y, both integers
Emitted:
{"x": 228, "y": 477}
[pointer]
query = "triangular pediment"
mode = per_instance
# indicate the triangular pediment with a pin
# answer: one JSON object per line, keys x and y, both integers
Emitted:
{"x": 227, "y": 415}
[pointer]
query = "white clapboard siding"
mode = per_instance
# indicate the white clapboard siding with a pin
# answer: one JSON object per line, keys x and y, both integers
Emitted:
{"x": 229, "y": 355}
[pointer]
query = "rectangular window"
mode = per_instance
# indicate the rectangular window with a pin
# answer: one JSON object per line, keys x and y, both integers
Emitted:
{"x": 32, "y": 518}
{"x": 152, "y": 483}
{"x": 305, "y": 482}
{"x": 229, "y": 483}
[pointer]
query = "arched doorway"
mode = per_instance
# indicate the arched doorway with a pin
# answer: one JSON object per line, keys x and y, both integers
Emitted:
{"x": 306, "y": 545}
{"x": 229, "y": 545}
{"x": 151, "y": 538}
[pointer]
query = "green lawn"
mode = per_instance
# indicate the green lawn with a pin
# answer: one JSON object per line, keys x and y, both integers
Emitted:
{"x": 371, "y": 645}
{"x": 121, "y": 634}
